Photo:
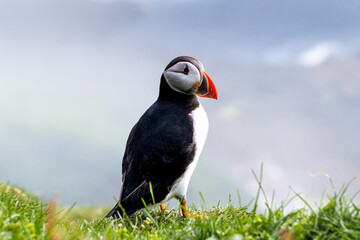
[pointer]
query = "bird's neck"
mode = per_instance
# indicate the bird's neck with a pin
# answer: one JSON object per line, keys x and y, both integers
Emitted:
{"x": 166, "y": 93}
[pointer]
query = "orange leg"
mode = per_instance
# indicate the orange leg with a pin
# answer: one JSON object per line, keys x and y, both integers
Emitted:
{"x": 162, "y": 207}
{"x": 184, "y": 210}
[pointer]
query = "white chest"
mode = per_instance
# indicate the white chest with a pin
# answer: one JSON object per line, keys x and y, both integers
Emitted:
{"x": 201, "y": 126}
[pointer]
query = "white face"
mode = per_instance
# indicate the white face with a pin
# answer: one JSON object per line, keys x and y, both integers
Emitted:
{"x": 182, "y": 76}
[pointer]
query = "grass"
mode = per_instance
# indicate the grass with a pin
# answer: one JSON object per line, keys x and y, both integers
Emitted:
{"x": 25, "y": 216}
{"x": 22, "y": 215}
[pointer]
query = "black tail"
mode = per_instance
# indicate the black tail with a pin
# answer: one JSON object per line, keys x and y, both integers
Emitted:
{"x": 118, "y": 212}
{"x": 134, "y": 201}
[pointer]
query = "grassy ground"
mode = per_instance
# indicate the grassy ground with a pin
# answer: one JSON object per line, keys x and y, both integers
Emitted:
{"x": 24, "y": 216}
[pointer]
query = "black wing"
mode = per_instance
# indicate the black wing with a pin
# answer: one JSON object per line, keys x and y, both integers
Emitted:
{"x": 159, "y": 148}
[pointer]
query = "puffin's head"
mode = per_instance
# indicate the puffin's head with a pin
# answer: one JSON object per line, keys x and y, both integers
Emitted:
{"x": 186, "y": 75}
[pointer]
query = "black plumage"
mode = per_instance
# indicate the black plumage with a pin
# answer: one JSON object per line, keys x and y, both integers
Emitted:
{"x": 159, "y": 148}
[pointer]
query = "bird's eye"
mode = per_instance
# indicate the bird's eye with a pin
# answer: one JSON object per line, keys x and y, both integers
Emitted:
{"x": 186, "y": 70}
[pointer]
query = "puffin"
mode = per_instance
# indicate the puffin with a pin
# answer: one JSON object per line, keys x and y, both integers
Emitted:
{"x": 164, "y": 146}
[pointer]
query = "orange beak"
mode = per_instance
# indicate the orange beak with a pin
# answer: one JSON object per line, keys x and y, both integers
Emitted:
{"x": 207, "y": 88}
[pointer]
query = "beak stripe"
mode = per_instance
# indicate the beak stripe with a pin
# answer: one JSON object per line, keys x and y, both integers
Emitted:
{"x": 207, "y": 88}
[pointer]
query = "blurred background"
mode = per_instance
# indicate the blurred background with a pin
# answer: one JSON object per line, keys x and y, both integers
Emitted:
{"x": 75, "y": 76}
